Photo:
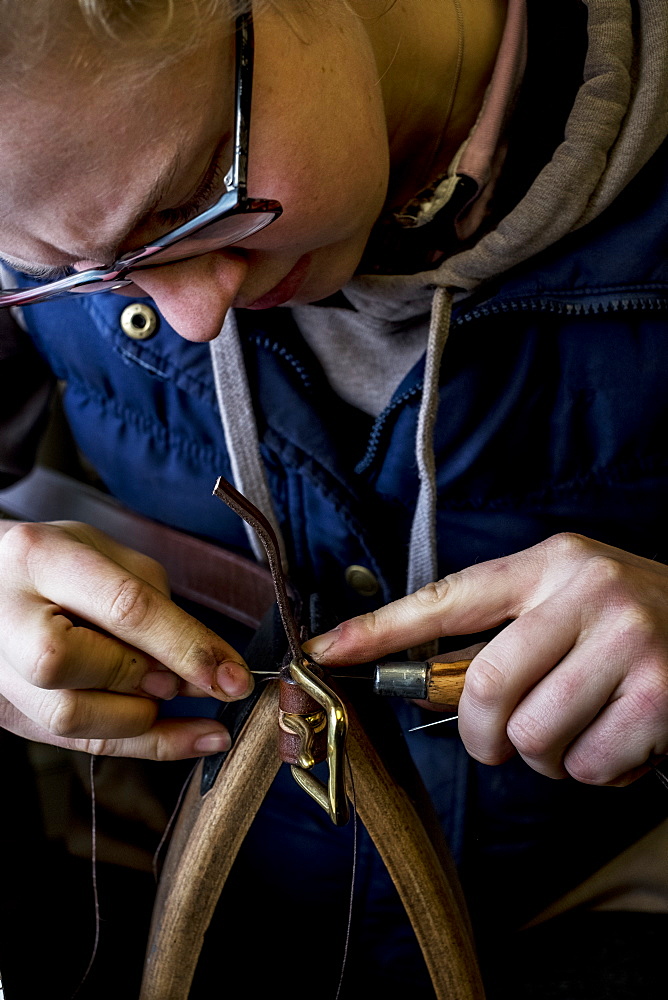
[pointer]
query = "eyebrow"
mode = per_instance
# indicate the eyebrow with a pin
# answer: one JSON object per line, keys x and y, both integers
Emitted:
{"x": 147, "y": 208}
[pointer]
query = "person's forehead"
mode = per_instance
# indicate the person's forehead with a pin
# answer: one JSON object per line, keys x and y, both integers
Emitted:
{"x": 84, "y": 206}
{"x": 99, "y": 161}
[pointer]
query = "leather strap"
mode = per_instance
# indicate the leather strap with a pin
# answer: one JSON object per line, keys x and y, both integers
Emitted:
{"x": 248, "y": 512}
{"x": 293, "y": 700}
{"x": 197, "y": 570}
{"x": 207, "y": 837}
{"x": 211, "y": 828}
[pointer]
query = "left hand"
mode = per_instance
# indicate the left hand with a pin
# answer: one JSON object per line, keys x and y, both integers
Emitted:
{"x": 576, "y": 684}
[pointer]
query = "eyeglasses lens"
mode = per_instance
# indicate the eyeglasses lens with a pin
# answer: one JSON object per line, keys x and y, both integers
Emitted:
{"x": 215, "y": 236}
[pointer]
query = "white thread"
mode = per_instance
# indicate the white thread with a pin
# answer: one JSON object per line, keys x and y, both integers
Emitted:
{"x": 96, "y": 897}
{"x": 352, "y": 880}
{"x": 451, "y": 718}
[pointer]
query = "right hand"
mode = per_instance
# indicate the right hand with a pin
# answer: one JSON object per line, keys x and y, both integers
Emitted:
{"x": 73, "y": 686}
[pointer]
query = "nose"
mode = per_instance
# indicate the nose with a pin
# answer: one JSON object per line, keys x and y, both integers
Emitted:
{"x": 194, "y": 295}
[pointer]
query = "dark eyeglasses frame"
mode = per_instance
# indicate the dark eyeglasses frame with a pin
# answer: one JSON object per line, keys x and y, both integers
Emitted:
{"x": 234, "y": 202}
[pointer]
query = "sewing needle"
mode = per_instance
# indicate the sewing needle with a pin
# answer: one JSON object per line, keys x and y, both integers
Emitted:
{"x": 451, "y": 718}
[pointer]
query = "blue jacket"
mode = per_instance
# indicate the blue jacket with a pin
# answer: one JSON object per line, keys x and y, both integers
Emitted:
{"x": 552, "y": 398}
{"x": 552, "y": 417}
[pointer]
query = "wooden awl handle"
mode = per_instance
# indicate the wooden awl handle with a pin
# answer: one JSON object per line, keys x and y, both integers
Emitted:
{"x": 440, "y": 683}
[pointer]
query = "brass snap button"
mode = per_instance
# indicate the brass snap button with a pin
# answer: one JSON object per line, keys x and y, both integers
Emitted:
{"x": 139, "y": 321}
{"x": 362, "y": 580}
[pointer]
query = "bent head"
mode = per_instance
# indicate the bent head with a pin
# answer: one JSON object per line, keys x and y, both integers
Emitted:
{"x": 120, "y": 128}
{"x": 101, "y": 155}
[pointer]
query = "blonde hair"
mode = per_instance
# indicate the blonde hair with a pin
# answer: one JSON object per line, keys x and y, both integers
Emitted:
{"x": 114, "y": 18}
{"x": 159, "y": 30}
{"x": 142, "y": 36}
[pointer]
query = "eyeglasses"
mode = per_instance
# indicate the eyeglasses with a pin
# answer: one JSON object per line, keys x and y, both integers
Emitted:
{"x": 233, "y": 218}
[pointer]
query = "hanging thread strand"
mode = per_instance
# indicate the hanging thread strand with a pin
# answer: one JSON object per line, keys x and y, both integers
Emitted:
{"x": 349, "y": 925}
{"x": 660, "y": 775}
{"x": 96, "y": 896}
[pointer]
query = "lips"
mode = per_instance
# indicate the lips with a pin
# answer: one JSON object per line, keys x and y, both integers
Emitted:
{"x": 286, "y": 288}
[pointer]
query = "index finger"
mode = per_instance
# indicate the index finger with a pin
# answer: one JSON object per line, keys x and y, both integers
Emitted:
{"x": 472, "y": 600}
{"x": 460, "y": 604}
{"x": 84, "y": 581}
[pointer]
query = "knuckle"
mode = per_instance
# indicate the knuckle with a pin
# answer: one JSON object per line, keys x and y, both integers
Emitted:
{"x": 567, "y": 545}
{"x": 48, "y": 661}
{"x": 635, "y": 629}
{"x": 158, "y": 749}
{"x": 20, "y": 542}
{"x": 62, "y": 717}
{"x": 101, "y": 748}
{"x": 202, "y": 651}
{"x": 604, "y": 572}
{"x": 161, "y": 749}
{"x": 128, "y": 672}
{"x": 131, "y": 605}
{"x": 366, "y": 622}
{"x": 585, "y": 768}
{"x": 434, "y": 593}
{"x": 484, "y": 682}
{"x": 365, "y": 626}
{"x": 529, "y": 735}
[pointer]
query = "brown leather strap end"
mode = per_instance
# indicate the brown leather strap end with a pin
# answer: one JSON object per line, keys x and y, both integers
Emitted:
{"x": 299, "y": 711}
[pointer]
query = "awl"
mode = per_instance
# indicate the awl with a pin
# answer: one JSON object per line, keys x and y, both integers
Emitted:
{"x": 440, "y": 683}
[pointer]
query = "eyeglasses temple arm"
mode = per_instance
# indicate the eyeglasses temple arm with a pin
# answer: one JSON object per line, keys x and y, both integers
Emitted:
{"x": 244, "y": 92}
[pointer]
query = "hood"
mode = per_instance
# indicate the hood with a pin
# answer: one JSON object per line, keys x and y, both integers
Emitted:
{"x": 617, "y": 122}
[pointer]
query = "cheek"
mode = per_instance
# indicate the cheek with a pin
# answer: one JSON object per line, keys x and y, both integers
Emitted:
{"x": 325, "y": 157}
{"x": 326, "y": 198}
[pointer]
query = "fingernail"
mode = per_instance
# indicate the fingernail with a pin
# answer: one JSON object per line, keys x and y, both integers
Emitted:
{"x": 318, "y": 646}
{"x": 160, "y": 684}
{"x": 213, "y": 743}
{"x": 234, "y": 680}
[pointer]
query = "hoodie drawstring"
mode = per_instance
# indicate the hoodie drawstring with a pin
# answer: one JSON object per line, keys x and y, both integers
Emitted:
{"x": 240, "y": 430}
{"x": 423, "y": 553}
{"x": 241, "y": 437}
